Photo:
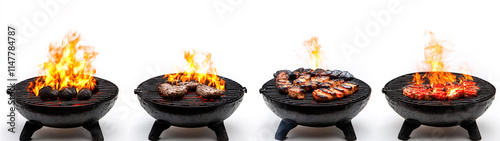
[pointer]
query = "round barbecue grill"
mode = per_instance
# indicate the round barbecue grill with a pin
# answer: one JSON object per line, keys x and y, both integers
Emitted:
{"x": 308, "y": 112}
{"x": 463, "y": 112}
{"x": 64, "y": 114}
{"x": 191, "y": 110}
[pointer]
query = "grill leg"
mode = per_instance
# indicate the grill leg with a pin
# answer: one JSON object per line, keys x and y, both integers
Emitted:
{"x": 95, "y": 131}
{"x": 29, "y": 128}
{"x": 348, "y": 130}
{"x": 473, "y": 130}
{"x": 285, "y": 126}
{"x": 408, "y": 126}
{"x": 158, "y": 127}
{"x": 220, "y": 130}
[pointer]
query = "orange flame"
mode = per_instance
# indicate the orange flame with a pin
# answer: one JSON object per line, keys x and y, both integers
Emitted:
{"x": 314, "y": 52}
{"x": 64, "y": 69}
{"x": 203, "y": 73}
{"x": 434, "y": 61}
{"x": 434, "y": 58}
{"x": 417, "y": 79}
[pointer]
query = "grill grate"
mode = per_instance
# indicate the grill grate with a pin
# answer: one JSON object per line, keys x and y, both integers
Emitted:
{"x": 270, "y": 91}
{"x": 107, "y": 91}
{"x": 148, "y": 90}
{"x": 394, "y": 89}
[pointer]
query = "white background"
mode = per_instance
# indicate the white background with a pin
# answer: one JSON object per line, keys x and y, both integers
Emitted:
{"x": 137, "y": 40}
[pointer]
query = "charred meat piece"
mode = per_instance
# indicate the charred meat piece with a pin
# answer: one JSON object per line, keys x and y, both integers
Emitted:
{"x": 454, "y": 91}
{"x": 326, "y": 84}
{"x": 84, "y": 94}
{"x": 302, "y": 79}
{"x": 319, "y": 72}
{"x": 207, "y": 92}
{"x": 346, "y": 75}
{"x": 171, "y": 91}
{"x": 328, "y": 72}
{"x": 296, "y": 92}
{"x": 336, "y": 92}
{"x": 320, "y": 79}
{"x": 348, "y": 90}
{"x": 417, "y": 91}
{"x": 283, "y": 88}
{"x": 469, "y": 88}
{"x": 282, "y": 74}
{"x": 335, "y": 74}
{"x": 283, "y": 84}
{"x": 282, "y": 81}
{"x": 438, "y": 92}
{"x": 439, "y": 95}
{"x": 309, "y": 85}
{"x": 67, "y": 93}
{"x": 331, "y": 83}
{"x": 323, "y": 95}
{"x": 307, "y": 71}
{"x": 296, "y": 73}
{"x": 351, "y": 86}
{"x": 47, "y": 93}
{"x": 468, "y": 83}
{"x": 190, "y": 85}
{"x": 470, "y": 92}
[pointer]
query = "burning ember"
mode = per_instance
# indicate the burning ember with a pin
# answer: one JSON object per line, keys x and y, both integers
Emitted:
{"x": 68, "y": 73}
{"x": 201, "y": 77}
{"x": 442, "y": 85}
{"x": 325, "y": 85}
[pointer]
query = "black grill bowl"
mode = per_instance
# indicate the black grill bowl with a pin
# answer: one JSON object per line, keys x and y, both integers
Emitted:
{"x": 463, "y": 112}
{"x": 308, "y": 112}
{"x": 190, "y": 111}
{"x": 64, "y": 114}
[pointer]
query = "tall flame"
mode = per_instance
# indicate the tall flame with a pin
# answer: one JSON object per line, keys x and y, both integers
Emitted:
{"x": 204, "y": 73}
{"x": 69, "y": 65}
{"x": 434, "y": 54}
{"x": 434, "y": 58}
{"x": 314, "y": 52}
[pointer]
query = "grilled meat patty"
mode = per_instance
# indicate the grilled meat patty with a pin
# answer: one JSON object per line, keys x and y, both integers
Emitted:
{"x": 172, "y": 91}
{"x": 208, "y": 92}
{"x": 190, "y": 85}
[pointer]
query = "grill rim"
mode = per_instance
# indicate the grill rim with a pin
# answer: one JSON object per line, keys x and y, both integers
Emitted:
{"x": 272, "y": 84}
{"x": 397, "y": 94}
{"x": 241, "y": 92}
{"x": 110, "y": 95}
